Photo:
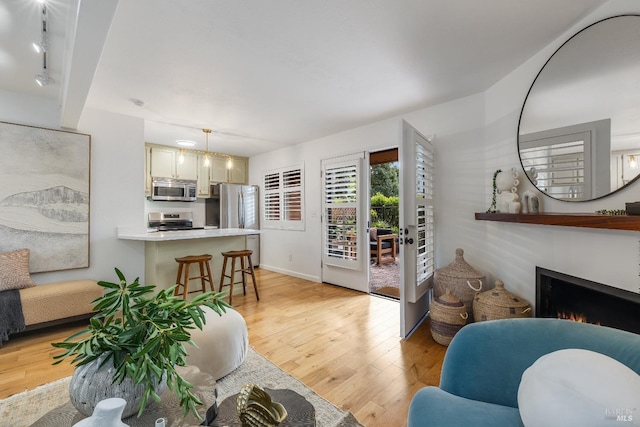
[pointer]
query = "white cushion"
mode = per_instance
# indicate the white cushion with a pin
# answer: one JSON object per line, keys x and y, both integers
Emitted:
{"x": 222, "y": 343}
{"x": 576, "y": 387}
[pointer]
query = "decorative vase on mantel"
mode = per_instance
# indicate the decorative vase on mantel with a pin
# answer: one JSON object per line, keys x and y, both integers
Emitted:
{"x": 92, "y": 383}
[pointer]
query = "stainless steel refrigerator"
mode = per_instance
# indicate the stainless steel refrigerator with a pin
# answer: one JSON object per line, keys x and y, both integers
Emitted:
{"x": 235, "y": 206}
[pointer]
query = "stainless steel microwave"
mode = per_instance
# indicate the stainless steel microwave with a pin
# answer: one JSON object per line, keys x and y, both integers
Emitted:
{"x": 173, "y": 190}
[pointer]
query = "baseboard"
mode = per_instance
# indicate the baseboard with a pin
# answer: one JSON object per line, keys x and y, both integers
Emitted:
{"x": 291, "y": 273}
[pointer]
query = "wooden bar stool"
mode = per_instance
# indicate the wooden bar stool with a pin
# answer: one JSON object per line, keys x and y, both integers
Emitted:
{"x": 245, "y": 256}
{"x": 184, "y": 265}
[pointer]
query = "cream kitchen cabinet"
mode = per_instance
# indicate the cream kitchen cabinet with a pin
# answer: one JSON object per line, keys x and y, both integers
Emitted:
{"x": 188, "y": 167}
{"x": 147, "y": 171}
{"x": 238, "y": 171}
{"x": 166, "y": 162}
{"x": 221, "y": 173}
{"x": 204, "y": 177}
{"x": 218, "y": 169}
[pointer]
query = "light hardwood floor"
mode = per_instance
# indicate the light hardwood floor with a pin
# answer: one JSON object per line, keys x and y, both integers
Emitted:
{"x": 343, "y": 344}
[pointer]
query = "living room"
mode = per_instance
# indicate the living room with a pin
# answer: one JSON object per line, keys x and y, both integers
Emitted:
{"x": 475, "y": 135}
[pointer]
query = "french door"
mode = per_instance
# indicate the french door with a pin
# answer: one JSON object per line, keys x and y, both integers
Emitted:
{"x": 417, "y": 246}
{"x": 345, "y": 248}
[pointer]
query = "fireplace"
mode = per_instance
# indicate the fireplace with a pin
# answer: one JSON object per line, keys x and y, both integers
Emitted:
{"x": 562, "y": 296}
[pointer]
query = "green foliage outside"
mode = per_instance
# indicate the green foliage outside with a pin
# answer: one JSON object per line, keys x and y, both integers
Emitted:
{"x": 384, "y": 212}
{"x": 385, "y": 179}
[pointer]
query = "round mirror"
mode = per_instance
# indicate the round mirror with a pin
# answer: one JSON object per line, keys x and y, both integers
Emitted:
{"x": 579, "y": 130}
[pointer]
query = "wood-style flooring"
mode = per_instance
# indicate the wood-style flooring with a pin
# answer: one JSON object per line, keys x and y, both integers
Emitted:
{"x": 343, "y": 344}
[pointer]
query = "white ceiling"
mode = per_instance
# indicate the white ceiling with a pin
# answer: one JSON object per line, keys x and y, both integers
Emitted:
{"x": 266, "y": 74}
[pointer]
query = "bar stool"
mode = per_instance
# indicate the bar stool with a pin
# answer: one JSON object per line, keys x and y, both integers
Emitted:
{"x": 244, "y": 270}
{"x": 184, "y": 265}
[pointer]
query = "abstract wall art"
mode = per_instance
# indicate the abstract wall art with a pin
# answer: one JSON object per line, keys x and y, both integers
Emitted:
{"x": 44, "y": 195}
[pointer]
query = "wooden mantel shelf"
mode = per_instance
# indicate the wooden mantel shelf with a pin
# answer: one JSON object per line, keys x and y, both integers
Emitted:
{"x": 612, "y": 222}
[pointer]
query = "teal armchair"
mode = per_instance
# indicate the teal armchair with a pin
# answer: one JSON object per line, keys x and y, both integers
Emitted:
{"x": 485, "y": 361}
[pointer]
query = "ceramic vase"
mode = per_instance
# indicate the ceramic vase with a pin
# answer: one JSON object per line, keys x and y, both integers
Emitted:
{"x": 92, "y": 383}
{"x": 107, "y": 413}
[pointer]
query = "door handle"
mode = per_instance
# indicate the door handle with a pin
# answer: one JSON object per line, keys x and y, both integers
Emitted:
{"x": 409, "y": 241}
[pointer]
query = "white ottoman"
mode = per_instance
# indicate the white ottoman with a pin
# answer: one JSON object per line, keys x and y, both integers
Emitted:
{"x": 222, "y": 343}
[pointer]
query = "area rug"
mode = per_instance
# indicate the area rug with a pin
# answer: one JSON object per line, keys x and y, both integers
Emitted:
{"x": 23, "y": 409}
{"x": 385, "y": 278}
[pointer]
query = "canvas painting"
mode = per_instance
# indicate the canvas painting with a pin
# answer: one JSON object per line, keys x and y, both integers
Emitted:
{"x": 44, "y": 196}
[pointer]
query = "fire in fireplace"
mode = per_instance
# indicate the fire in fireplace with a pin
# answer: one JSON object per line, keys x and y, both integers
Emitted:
{"x": 562, "y": 296}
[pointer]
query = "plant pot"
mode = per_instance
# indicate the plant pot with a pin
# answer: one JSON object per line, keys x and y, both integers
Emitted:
{"x": 92, "y": 383}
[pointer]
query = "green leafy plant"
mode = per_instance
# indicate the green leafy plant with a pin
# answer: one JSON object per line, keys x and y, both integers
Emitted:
{"x": 492, "y": 208}
{"x": 143, "y": 333}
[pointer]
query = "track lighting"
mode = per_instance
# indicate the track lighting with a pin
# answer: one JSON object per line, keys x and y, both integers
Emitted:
{"x": 41, "y": 47}
{"x": 43, "y": 79}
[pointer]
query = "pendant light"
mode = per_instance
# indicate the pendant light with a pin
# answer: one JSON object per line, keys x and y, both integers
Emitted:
{"x": 207, "y": 162}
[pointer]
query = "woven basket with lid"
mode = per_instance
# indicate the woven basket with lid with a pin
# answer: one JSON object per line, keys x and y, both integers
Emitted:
{"x": 499, "y": 303}
{"x": 462, "y": 279}
{"x": 448, "y": 315}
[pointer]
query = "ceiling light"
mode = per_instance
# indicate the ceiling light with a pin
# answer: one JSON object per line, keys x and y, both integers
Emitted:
{"x": 40, "y": 47}
{"x": 185, "y": 142}
{"x": 138, "y": 102}
{"x": 43, "y": 79}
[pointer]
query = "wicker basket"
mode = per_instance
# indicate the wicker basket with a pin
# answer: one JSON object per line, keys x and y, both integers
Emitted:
{"x": 448, "y": 316}
{"x": 462, "y": 279}
{"x": 498, "y": 303}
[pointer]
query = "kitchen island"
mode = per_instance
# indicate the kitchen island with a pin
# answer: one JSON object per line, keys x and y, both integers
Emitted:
{"x": 163, "y": 247}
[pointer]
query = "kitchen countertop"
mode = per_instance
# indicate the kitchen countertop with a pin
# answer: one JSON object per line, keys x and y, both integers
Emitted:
{"x": 161, "y": 236}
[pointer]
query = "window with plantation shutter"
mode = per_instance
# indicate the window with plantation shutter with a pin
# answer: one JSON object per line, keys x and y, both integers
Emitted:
{"x": 341, "y": 214}
{"x": 571, "y": 162}
{"x": 284, "y": 198}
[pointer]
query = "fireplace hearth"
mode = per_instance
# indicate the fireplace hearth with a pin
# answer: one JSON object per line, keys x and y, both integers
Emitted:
{"x": 562, "y": 296}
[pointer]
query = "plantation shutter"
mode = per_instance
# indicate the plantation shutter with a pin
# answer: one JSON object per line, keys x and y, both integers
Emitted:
{"x": 284, "y": 198}
{"x": 425, "y": 249}
{"x": 559, "y": 165}
{"x": 340, "y": 201}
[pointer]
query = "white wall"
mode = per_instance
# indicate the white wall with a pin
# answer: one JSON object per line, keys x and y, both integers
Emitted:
{"x": 455, "y": 124}
{"x": 117, "y": 183}
{"x": 474, "y": 137}
{"x": 512, "y": 251}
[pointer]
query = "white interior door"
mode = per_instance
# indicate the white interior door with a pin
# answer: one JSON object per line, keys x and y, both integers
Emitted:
{"x": 345, "y": 249}
{"x": 417, "y": 247}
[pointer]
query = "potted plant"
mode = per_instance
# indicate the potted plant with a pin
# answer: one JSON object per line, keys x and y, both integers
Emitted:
{"x": 140, "y": 335}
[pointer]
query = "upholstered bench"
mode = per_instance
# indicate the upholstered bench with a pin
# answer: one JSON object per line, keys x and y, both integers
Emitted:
{"x": 52, "y": 303}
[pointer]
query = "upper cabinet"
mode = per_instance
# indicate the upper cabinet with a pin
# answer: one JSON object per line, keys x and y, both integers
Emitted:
{"x": 187, "y": 165}
{"x": 169, "y": 162}
{"x": 147, "y": 171}
{"x": 219, "y": 169}
{"x": 238, "y": 171}
{"x": 204, "y": 177}
{"x": 231, "y": 170}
